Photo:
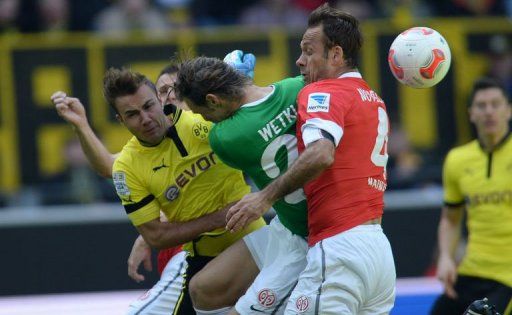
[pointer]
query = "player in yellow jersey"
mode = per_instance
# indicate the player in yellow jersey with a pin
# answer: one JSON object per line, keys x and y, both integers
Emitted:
{"x": 169, "y": 165}
{"x": 171, "y": 262}
{"x": 477, "y": 178}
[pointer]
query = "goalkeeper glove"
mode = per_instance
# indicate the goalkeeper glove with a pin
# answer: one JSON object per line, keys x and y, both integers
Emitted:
{"x": 242, "y": 62}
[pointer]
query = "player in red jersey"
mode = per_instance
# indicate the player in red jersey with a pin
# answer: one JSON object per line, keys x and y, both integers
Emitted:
{"x": 342, "y": 131}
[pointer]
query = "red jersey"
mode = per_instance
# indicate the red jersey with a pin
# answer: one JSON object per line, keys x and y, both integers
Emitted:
{"x": 351, "y": 191}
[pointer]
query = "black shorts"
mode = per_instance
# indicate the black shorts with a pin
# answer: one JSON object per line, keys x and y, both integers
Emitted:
{"x": 470, "y": 289}
{"x": 195, "y": 264}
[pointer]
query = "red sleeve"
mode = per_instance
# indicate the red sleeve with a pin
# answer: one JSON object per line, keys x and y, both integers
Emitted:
{"x": 324, "y": 101}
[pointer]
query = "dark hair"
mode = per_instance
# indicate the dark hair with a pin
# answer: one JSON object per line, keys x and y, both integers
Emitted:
{"x": 200, "y": 76}
{"x": 340, "y": 29}
{"x": 169, "y": 69}
{"x": 122, "y": 82}
{"x": 487, "y": 83}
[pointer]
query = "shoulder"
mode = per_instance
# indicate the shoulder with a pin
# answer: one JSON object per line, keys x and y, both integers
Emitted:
{"x": 128, "y": 154}
{"x": 331, "y": 86}
{"x": 188, "y": 117}
{"x": 218, "y": 132}
{"x": 458, "y": 156}
{"x": 464, "y": 150}
{"x": 295, "y": 83}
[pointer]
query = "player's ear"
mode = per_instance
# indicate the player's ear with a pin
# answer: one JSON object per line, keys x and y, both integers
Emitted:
{"x": 119, "y": 118}
{"x": 212, "y": 100}
{"x": 337, "y": 55}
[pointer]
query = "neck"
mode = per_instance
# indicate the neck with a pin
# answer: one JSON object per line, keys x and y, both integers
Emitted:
{"x": 148, "y": 144}
{"x": 254, "y": 93}
{"x": 490, "y": 141}
{"x": 346, "y": 70}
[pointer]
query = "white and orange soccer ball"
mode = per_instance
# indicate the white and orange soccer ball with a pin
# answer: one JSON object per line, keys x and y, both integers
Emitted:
{"x": 419, "y": 57}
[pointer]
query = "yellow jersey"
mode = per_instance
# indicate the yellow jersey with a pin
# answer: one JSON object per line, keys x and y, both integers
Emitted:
{"x": 483, "y": 182}
{"x": 182, "y": 177}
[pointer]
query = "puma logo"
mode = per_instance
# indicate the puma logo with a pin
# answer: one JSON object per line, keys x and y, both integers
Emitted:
{"x": 156, "y": 168}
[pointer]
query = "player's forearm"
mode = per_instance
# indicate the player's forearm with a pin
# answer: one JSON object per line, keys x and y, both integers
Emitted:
{"x": 97, "y": 154}
{"x": 310, "y": 164}
{"x": 448, "y": 232}
{"x": 162, "y": 235}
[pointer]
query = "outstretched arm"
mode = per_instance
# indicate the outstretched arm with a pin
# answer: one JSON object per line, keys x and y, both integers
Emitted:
{"x": 317, "y": 157}
{"x": 72, "y": 111}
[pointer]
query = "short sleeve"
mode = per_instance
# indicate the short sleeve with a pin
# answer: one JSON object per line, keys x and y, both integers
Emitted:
{"x": 140, "y": 205}
{"x": 319, "y": 108}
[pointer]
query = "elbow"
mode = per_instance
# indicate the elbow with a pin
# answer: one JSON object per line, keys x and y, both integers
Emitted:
{"x": 158, "y": 241}
{"x": 154, "y": 240}
{"x": 325, "y": 161}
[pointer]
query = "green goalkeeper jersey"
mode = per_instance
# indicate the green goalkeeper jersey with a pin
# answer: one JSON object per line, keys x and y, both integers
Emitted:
{"x": 260, "y": 140}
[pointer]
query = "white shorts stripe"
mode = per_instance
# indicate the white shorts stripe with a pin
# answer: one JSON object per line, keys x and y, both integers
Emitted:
{"x": 164, "y": 296}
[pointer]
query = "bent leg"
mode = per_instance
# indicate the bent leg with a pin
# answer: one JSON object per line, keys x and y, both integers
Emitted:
{"x": 223, "y": 280}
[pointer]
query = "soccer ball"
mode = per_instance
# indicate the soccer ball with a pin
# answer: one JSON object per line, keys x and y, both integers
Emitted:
{"x": 419, "y": 57}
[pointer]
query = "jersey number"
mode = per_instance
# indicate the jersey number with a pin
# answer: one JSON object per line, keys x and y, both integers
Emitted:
{"x": 268, "y": 162}
{"x": 380, "y": 150}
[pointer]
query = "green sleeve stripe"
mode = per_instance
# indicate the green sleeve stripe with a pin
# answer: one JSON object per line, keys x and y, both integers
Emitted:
{"x": 136, "y": 206}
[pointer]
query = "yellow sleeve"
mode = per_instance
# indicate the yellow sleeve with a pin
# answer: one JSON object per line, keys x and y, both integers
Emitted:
{"x": 451, "y": 188}
{"x": 140, "y": 205}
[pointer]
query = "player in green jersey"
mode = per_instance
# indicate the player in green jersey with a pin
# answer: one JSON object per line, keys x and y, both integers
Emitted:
{"x": 255, "y": 132}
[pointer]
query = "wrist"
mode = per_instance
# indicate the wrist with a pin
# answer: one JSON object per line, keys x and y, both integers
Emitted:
{"x": 141, "y": 242}
{"x": 269, "y": 195}
{"x": 81, "y": 127}
{"x": 445, "y": 256}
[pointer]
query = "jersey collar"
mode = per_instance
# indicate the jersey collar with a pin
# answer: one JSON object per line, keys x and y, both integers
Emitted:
{"x": 498, "y": 145}
{"x": 261, "y": 100}
{"x": 351, "y": 74}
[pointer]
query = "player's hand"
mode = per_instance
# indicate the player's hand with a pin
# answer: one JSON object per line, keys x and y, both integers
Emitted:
{"x": 251, "y": 207}
{"x": 242, "y": 62}
{"x": 141, "y": 253}
{"x": 447, "y": 274}
{"x": 69, "y": 108}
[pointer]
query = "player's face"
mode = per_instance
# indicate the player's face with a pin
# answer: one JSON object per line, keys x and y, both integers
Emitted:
{"x": 143, "y": 115}
{"x": 216, "y": 109}
{"x": 165, "y": 89}
{"x": 315, "y": 62}
{"x": 490, "y": 112}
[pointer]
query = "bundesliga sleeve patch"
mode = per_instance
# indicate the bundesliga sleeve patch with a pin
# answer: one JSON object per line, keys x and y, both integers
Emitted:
{"x": 119, "y": 179}
{"x": 318, "y": 102}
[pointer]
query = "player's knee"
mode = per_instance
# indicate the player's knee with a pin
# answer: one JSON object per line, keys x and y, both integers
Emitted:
{"x": 198, "y": 290}
{"x": 207, "y": 293}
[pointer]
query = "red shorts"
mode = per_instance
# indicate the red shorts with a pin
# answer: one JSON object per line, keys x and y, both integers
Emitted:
{"x": 165, "y": 255}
